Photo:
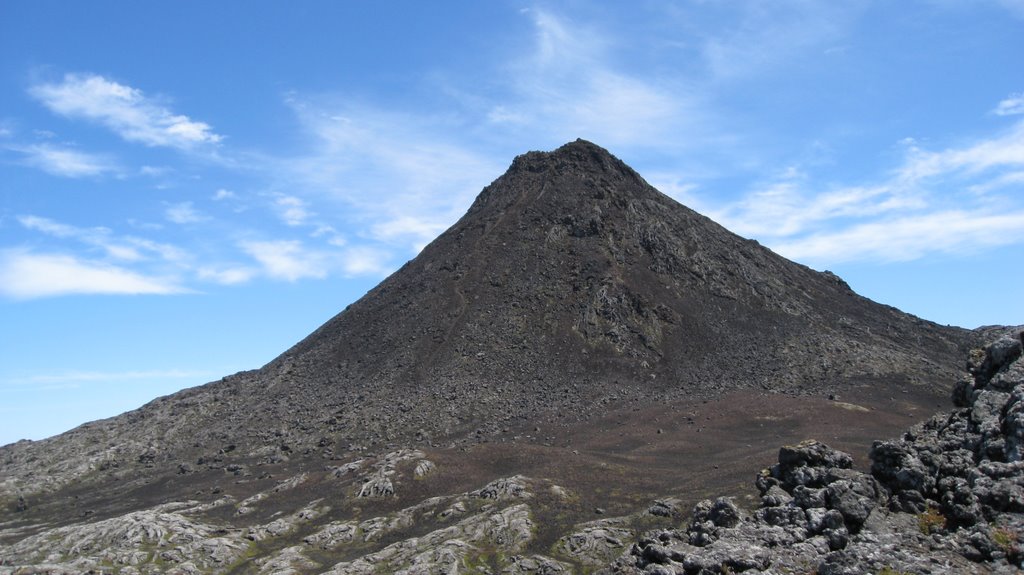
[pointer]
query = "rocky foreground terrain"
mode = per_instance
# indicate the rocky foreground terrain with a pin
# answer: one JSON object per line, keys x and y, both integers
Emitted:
{"x": 946, "y": 497}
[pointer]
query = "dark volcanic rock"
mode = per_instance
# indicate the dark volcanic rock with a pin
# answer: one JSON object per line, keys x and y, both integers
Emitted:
{"x": 936, "y": 501}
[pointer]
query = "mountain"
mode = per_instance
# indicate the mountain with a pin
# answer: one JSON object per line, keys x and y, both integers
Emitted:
{"x": 571, "y": 298}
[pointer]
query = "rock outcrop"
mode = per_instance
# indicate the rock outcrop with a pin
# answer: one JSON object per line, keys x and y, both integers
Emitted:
{"x": 947, "y": 497}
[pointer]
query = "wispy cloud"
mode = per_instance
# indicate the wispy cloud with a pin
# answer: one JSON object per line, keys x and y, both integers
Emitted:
{"x": 123, "y": 248}
{"x": 292, "y": 210}
{"x": 28, "y": 275}
{"x": 994, "y": 153}
{"x": 183, "y": 213}
{"x": 291, "y": 260}
{"x": 568, "y": 87}
{"x": 933, "y": 202}
{"x": 386, "y": 170}
{"x": 226, "y": 275}
{"x": 288, "y": 260}
{"x": 80, "y": 377}
{"x": 65, "y": 162}
{"x": 1010, "y": 106}
{"x": 125, "y": 110}
{"x": 408, "y": 226}
{"x": 910, "y": 237}
{"x": 365, "y": 261}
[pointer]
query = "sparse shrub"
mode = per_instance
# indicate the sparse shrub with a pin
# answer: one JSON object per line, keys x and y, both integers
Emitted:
{"x": 890, "y": 571}
{"x": 1005, "y": 539}
{"x": 931, "y": 521}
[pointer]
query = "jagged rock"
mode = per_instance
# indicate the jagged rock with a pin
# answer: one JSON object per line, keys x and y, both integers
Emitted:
{"x": 986, "y": 409}
{"x": 504, "y": 488}
{"x": 177, "y": 539}
{"x": 333, "y": 535}
{"x": 350, "y": 467}
{"x": 723, "y": 513}
{"x": 665, "y": 508}
{"x": 997, "y": 357}
{"x": 444, "y": 550}
{"x": 423, "y": 467}
{"x": 284, "y": 525}
{"x": 377, "y": 486}
{"x": 803, "y": 464}
{"x": 288, "y": 561}
{"x": 535, "y": 565}
{"x": 596, "y": 542}
{"x": 852, "y": 494}
{"x": 937, "y": 500}
{"x": 1013, "y": 422}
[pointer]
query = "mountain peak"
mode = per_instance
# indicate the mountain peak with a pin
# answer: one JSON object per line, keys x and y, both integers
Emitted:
{"x": 569, "y": 182}
{"x": 580, "y": 154}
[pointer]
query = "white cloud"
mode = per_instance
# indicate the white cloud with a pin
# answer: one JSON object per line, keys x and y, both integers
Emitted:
{"x": 154, "y": 171}
{"x": 1010, "y": 106}
{"x": 287, "y": 259}
{"x": 383, "y": 167}
{"x": 568, "y": 88}
{"x": 334, "y": 238}
{"x": 125, "y": 248}
{"x": 291, "y": 261}
{"x": 406, "y": 226}
{"x": 1002, "y": 151}
{"x": 1004, "y": 180}
{"x": 934, "y": 202}
{"x": 28, "y": 275}
{"x": 226, "y": 275}
{"x": 57, "y": 229}
{"x": 167, "y": 252}
{"x": 360, "y": 261}
{"x": 98, "y": 237}
{"x": 908, "y": 238}
{"x": 183, "y": 213}
{"x": 65, "y": 162}
{"x": 787, "y": 207}
{"x": 123, "y": 109}
{"x": 293, "y": 211}
{"x": 223, "y": 194}
{"x": 77, "y": 377}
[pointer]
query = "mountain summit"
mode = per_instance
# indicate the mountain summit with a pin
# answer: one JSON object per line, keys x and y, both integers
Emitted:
{"x": 571, "y": 288}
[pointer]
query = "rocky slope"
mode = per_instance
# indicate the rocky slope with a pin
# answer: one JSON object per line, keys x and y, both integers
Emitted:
{"x": 569, "y": 285}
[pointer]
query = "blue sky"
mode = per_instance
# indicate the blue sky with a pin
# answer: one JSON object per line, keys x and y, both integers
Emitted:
{"x": 189, "y": 188}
